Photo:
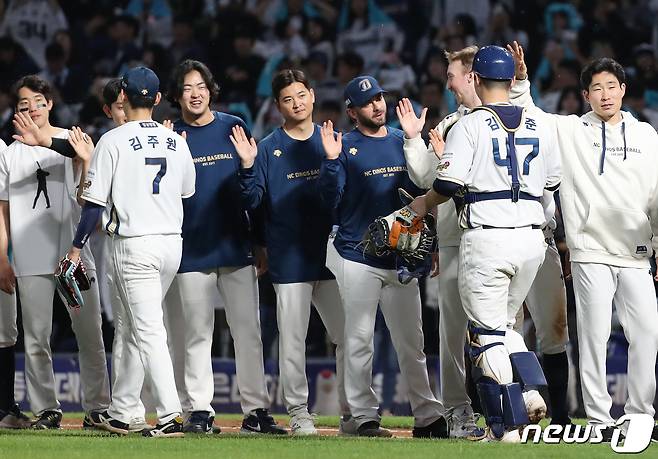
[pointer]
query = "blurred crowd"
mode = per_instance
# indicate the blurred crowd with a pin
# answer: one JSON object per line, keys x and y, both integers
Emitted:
{"x": 79, "y": 44}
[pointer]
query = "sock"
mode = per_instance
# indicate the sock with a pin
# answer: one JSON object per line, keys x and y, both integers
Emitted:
{"x": 556, "y": 370}
{"x": 7, "y": 370}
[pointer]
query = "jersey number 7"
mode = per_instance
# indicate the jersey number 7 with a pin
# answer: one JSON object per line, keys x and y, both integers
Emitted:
{"x": 533, "y": 141}
{"x": 162, "y": 162}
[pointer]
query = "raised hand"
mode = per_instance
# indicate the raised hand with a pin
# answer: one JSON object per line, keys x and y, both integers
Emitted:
{"x": 170, "y": 125}
{"x": 81, "y": 143}
{"x": 28, "y": 132}
{"x": 521, "y": 71}
{"x": 333, "y": 145}
{"x": 410, "y": 123}
{"x": 437, "y": 142}
{"x": 246, "y": 148}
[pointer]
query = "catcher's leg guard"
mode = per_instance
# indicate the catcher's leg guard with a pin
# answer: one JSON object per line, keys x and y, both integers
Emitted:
{"x": 527, "y": 370}
{"x": 491, "y": 367}
{"x": 489, "y": 392}
{"x": 514, "y": 410}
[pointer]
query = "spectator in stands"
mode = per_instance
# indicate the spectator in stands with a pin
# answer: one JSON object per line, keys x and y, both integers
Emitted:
{"x": 33, "y": 23}
{"x": 368, "y": 31}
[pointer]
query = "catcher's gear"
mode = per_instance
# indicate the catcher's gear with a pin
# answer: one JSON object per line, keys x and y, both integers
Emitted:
{"x": 71, "y": 280}
{"x": 403, "y": 233}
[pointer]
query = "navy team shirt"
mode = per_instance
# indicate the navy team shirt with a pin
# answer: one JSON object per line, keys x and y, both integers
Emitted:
{"x": 215, "y": 225}
{"x": 361, "y": 185}
{"x": 285, "y": 176}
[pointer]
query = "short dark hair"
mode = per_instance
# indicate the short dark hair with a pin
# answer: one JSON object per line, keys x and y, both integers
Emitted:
{"x": 139, "y": 101}
{"x": 604, "y": 64}
{"x": 178, "y": 77}
{"x": 34, "y": 83}
{"x": 492, "y": 84}
{"x": 285, "y": 78}
{"x": 111, "y": 91}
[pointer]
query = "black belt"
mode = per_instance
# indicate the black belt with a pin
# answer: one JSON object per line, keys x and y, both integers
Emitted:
{"x": 511, "y": 227}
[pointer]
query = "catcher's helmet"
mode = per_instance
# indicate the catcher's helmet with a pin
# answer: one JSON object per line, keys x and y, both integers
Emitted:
{"x": 494, "y": 63}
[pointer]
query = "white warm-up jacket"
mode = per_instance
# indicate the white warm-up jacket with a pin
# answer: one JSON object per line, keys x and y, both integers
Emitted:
{"x": 609, "y": 189}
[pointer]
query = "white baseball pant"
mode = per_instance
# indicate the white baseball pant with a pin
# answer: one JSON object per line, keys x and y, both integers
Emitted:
{"x": 142, "y": 271}
{"x": 496, "y": 269}
{"x": 293, "y": 312}
{"x": 362, "y": 289}
{"x": 36, "y": 295}
{"x": 190, "y": 307}
{"x": 453, "y": 324}
{"x": 596, "y": 288}
{"x": 547, "y": 303}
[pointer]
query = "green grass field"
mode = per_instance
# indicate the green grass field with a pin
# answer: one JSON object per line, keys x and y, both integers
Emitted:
{"x": 75, "y": 443}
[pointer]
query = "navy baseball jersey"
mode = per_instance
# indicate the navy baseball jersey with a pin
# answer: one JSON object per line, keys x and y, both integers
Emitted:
{"x": 362, "y": 185}
{"x": 215, "y": 225}
{"x": 284, "y": 176}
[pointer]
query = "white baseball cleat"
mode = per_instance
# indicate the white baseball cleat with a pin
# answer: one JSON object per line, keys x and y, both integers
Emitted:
{"x": 302, "y": 425}
{"x": 462, "y": 423}
{"x": 535, "y": 405}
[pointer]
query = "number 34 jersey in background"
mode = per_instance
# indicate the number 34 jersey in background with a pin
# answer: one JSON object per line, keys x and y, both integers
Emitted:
{"x": 140, "y": 171}
{"x": 504, "y": 157}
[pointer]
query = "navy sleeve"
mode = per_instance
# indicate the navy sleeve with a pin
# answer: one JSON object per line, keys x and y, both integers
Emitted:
{"x": 446, "y": 187}
{"x": 332, "y": 180}
{"x": 91, "y": 213}
{"x": 257, "y": 220}
{"x": 252, "y": 181}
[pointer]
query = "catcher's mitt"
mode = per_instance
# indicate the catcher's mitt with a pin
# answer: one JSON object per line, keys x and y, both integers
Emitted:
{"x": 403, "y": 233}
{"x": 71, "y": 279}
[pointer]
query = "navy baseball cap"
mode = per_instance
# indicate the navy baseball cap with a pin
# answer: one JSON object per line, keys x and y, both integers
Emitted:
{"x": 140, "y": 81}
{"x": 361, "y": 90}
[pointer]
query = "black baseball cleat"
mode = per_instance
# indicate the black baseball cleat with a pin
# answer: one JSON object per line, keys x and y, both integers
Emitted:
{"x": 200, "y": 422}
{"x": 261, "y": 422}
{"x": 104, "y": 421}
{"x": 608, "y": 432}
{"x": 13, "y": 418}
{"x": 654, "y": 435}
{"x": 48, "y": 420}
{"x": 437, "y": 429}
{"x": 372, "y": 429}
{"x": 172, "y": 428}
{"x": 93, "y": 421}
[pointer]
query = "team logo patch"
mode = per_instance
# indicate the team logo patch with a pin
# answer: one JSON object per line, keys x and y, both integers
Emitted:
{"x": 443, "y": 166}
{"x": 277, "y": 152}
{"x": 86, "y": 185}
{"x": 365, "y": 85}
{"x": 640, "y": 249}
{"x": 353, "y": 151}
{"x": 145, "y": 92}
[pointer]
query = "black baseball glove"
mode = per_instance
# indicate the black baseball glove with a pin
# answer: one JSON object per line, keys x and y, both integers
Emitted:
{"x": 71, "y": 279}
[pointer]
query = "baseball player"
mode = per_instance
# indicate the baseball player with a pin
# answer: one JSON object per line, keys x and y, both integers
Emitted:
{"x": 546, "y": 299}
{"x": 11, "y": 416}
{"x": 216, "y": 266}
{"x": 499, "y": 159}
{"x": 359, "y": 179}
{"x": 609, "y": 236}
{"x": 282, "y": 172}
{"x": 82, "y": 148}
{"x": 37, "y": 234}
{"x": 140, "y": 170}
